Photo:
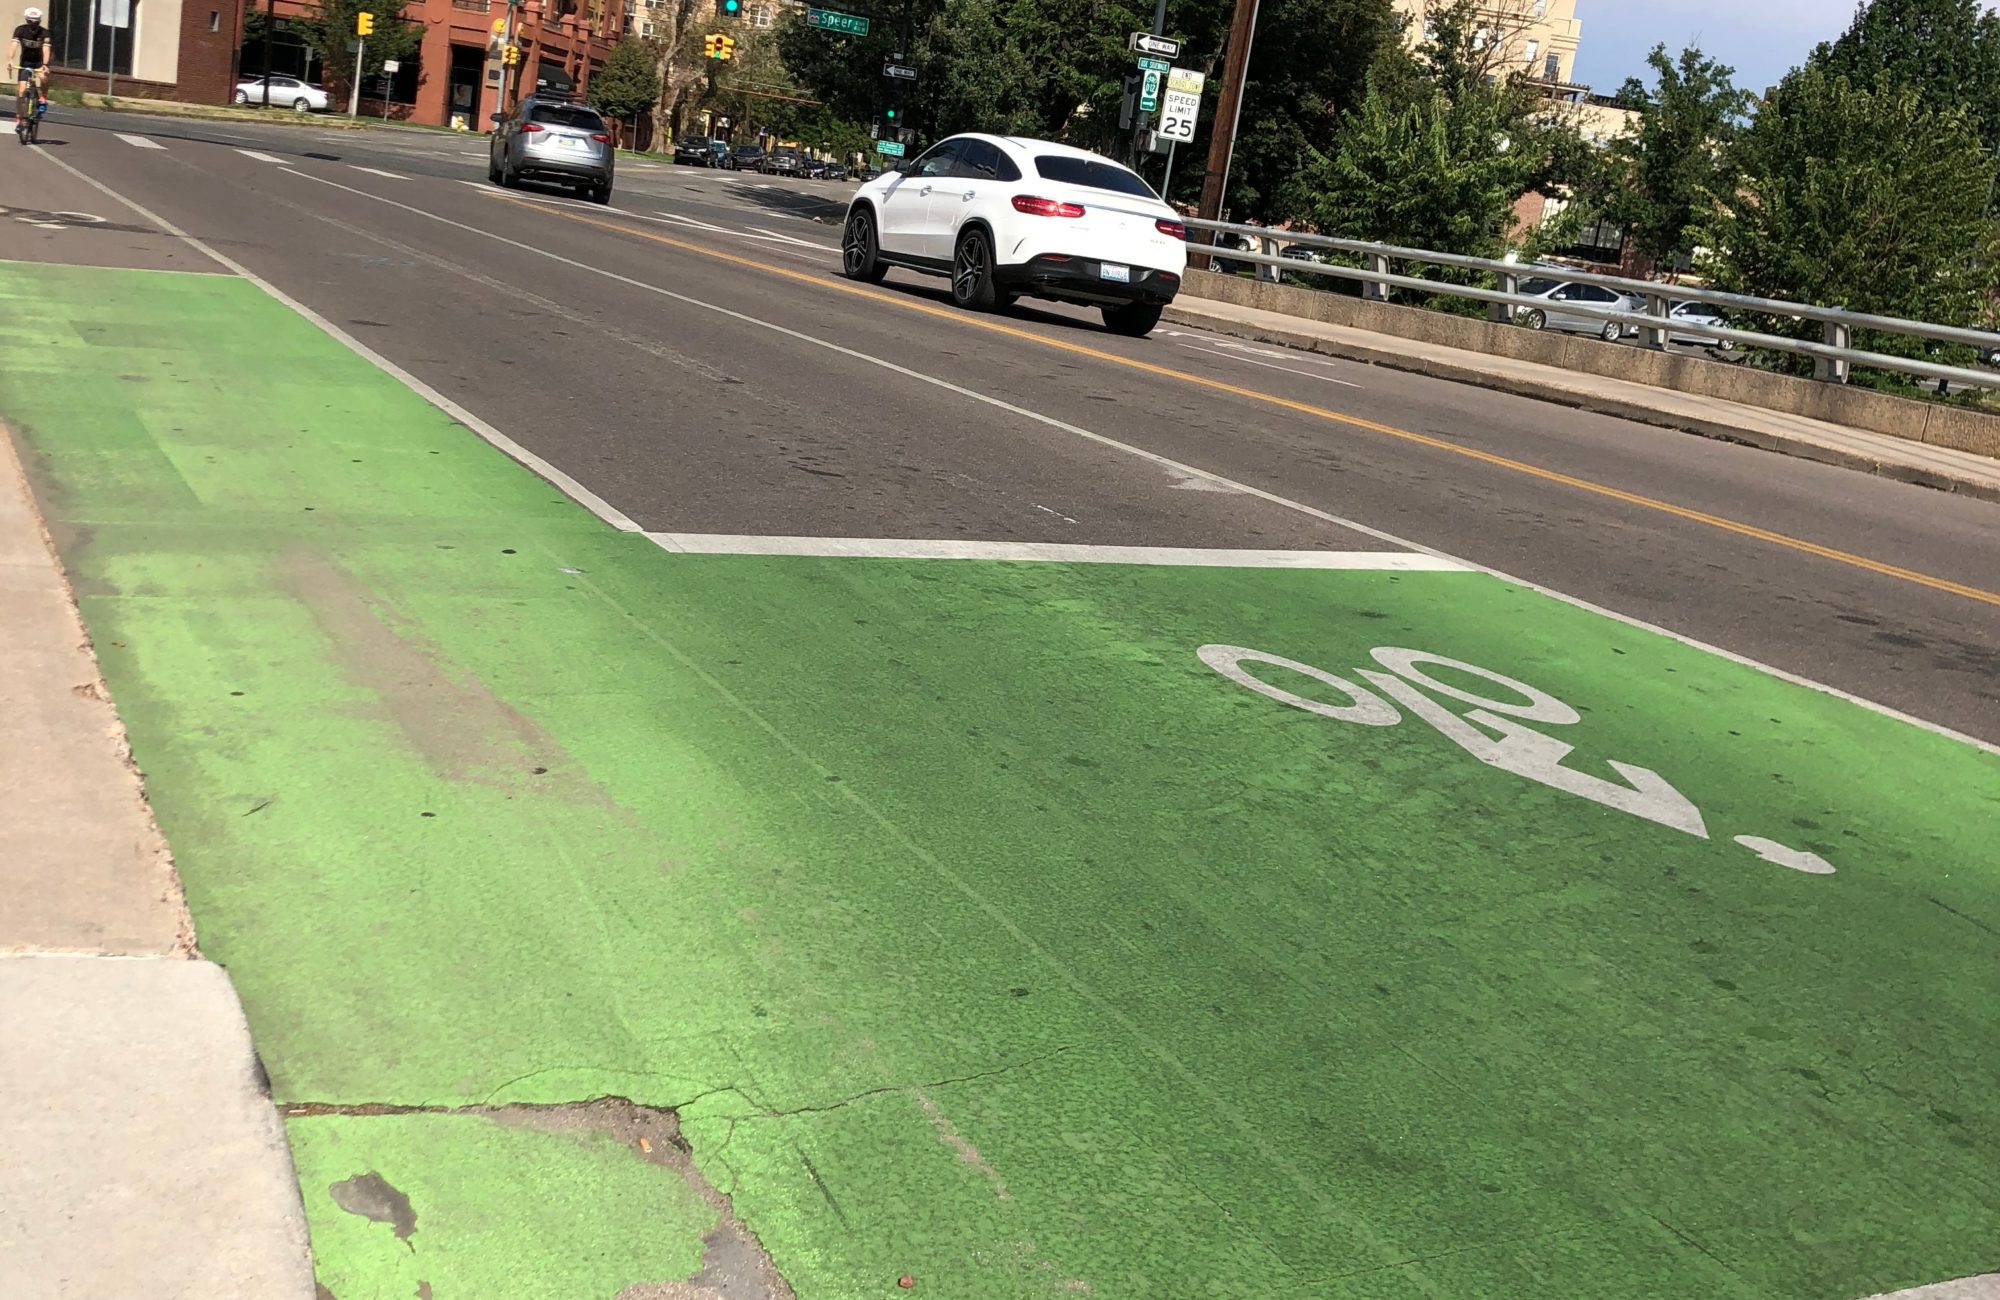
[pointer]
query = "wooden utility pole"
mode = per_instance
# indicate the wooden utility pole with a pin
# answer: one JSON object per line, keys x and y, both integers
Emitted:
{"x": 1222, "y": 140}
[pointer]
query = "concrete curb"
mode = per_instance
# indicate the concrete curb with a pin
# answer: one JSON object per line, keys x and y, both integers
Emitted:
{"x": 216, "y": 113}
{"x": 144, "y": 1156}
{"x": 1724, "y": 430}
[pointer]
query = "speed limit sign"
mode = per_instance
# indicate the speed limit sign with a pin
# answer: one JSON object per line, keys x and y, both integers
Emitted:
{"x": 1181, "y": 105}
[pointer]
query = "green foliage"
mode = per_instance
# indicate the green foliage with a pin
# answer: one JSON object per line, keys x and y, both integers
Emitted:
{"x": 1948, "y": 51}
{"x": 1438, "y": 152}
{"x": 629, "y": 82}
{"x": 1055, "y": 69}
{"x": 327, "y": 28}
{"x": 1667, "y": 176}
{"x": 1308, "y": 68}
{"x": 1861, "y": 197}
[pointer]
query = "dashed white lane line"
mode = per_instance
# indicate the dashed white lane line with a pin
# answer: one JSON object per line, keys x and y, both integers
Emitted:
{"x": 377, "y": 171}
{"x": 1234, "y": 355}
{"x": 140, "y": 142}
{"x": 264, "y": 157}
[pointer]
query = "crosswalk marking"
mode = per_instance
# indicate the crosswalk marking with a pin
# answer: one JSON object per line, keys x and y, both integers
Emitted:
{"x": 376, "y": 171}
{"x": 141, "y": 142}
{"x": 263, "y": 157}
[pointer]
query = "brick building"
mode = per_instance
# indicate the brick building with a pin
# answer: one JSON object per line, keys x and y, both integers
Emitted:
{"x": 172, "y": 49}
{"x": 447, "y": 82}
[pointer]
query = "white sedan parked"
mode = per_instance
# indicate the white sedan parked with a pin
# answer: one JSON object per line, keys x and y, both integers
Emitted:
{"x": 1007, "y": 217}
{"x": 301, "y": 95}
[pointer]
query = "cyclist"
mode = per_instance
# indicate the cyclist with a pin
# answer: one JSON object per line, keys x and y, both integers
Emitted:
{"x": 28, "y": 58}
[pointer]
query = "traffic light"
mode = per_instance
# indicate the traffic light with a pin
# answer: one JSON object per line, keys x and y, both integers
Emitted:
{"x": 511, "y": 55}
{"x": 364, "y": 24}
{"x": 729, "y": 8}
{"x": 728, "y": 48}
{"x": 711, "y": 46}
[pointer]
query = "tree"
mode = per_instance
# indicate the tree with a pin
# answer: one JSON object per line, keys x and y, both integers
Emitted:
{"x": 1440, "y": 148}
{"x": 1948, "y": 51}
{"x": 1861, "y": 197}
{"x": 1308, "y": 67}
{"x": 629, "y": 82}
{"x": 327, "y": 29}
{"x": 1667, "y": 176}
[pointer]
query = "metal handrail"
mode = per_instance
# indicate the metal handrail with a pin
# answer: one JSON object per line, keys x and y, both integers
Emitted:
{"x": 1835, "y": 354}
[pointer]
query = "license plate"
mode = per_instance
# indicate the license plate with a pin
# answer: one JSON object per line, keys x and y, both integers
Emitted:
{"x": 571, "y": 142}
{"x": 1113, "y": 271}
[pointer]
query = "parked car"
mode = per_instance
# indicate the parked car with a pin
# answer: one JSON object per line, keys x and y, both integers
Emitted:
{"x": 825, "y": 169}
{"x": 1700, "y": 313}
{"x": 1005, "y": 217}
{"x": 548, "y": 139}
{"x": 783, "y": 162}
{"x": 700, "y": 151}
{"x": 747, "y": 158}
{"x": 302, "y": 96}
{"x": 1559, "y": 293}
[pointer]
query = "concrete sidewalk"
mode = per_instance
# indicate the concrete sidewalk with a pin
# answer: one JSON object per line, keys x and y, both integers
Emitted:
{"x": 1898, "y": 458}
{"x": 143, "y": 1156}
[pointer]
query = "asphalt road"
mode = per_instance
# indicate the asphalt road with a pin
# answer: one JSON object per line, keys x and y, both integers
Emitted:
{"x": 691, "y": 355}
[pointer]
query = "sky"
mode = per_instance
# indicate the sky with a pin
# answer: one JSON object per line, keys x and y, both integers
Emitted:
{"x": 1761, "y": 39}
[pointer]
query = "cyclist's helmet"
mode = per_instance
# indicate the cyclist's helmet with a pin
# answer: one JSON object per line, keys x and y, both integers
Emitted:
{"x": 33, "y": 15}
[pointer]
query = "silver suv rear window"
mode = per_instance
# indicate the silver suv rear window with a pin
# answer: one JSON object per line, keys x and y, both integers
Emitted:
{"x": 556, "y": 115}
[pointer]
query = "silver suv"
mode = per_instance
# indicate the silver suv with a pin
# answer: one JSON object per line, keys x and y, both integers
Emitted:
{"x": 557, "y": 140}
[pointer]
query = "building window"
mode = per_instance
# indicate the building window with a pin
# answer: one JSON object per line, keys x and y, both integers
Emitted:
{"x": 1552, "y": 69}
{"x": 1541, "y": 8}
{"x": 1534, "y": 49}
{"x": 762, "y": 16}
{"x": 215, "y": 20}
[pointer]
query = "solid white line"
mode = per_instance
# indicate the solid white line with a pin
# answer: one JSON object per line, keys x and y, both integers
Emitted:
{"x": 1251, "y": 361}
{"x": 789, "y": 239}
{"x": 1984, "y": 1287}
{"x": 605, "y": 512}
{"x": 264, "y": 157}
{"x": 376, "y": 171}
{"x": 139, "y": 141}
{"x": 895, "y": 548}
{"x": 563, "y": 483}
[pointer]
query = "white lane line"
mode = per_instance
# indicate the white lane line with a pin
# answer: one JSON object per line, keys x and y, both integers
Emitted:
{"x": 1252, "y": 361}
{"x": 140, "y": 141}
{"x": 563, "y": 483}
{"x": 802, "y": 243}
{"x": 376, "y": 171}
{"x": 264, "y": 157}
{"x": 1984, "y": 1287}
{"x": 896, "y": 548}
{"x": 603, "y": 510}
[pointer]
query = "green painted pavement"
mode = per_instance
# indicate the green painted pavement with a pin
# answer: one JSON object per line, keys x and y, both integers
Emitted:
{"x": 480, "y": 1197}
{"x": 978, "y": 929}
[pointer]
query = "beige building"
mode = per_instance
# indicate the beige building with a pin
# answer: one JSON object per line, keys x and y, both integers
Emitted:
{"x": 1539, "y": 37}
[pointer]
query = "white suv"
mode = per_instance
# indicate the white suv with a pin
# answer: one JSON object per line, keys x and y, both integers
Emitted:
{"x": 1006, "y": 217}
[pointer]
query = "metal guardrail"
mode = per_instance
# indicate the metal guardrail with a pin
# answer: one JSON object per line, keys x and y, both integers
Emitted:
{"x": 1834, "y": 355}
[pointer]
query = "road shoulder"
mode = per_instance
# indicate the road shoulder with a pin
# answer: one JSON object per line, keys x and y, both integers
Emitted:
{"x": 1897, "y": 458}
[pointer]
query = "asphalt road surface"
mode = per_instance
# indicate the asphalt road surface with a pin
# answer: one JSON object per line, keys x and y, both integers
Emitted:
{"x": 1316, "y": 881}
{"x": 672, "y": 352}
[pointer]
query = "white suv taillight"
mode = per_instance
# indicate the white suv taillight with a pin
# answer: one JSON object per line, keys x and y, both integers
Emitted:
{"x": 1171, "y": 229}
{"x": 1035, "y": 207}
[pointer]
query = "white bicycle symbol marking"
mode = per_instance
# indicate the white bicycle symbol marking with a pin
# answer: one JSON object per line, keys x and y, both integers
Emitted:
{"x": 1511, "y": 746}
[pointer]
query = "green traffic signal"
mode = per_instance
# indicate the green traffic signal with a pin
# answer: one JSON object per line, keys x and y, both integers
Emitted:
{"x": 729, "y": 8}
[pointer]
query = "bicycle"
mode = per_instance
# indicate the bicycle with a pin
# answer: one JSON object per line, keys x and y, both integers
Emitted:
{"x": 30, "y": 106}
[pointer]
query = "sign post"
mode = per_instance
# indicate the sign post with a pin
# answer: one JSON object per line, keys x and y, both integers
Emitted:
{"x": 1177, "y": 118}
{"x": 116, "y": 15}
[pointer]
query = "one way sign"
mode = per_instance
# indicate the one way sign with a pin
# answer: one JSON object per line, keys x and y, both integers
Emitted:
{"x": 1147, "y": 43}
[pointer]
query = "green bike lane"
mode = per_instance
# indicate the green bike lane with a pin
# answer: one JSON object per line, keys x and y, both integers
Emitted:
{"x": 1020, "y": 928}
